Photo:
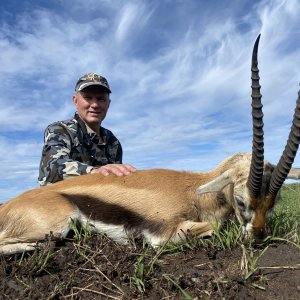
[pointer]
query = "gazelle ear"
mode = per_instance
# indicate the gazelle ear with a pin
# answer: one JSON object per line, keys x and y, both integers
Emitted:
{"x": 215, "y": 185}
{"x": 294, "y": 173}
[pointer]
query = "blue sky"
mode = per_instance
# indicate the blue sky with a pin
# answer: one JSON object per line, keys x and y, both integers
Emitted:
{"x": 179, "y": 72}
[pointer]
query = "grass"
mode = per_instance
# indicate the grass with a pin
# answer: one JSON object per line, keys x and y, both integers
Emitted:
{"x": 285, "y": 221}
{"x": 282, "y": 226}
{"x": 185, "y": 295}
{"x": 290, "y": 195}
{"x": 39, "y": 260}
{"x": 81, "y": 236}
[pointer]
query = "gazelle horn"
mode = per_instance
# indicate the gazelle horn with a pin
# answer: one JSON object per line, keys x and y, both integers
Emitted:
{"x": 257, "y": 163}
{"x": 287, "y": 158}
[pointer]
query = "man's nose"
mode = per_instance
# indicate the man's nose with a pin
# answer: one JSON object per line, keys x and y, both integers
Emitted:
{"x": 94, "y": 102}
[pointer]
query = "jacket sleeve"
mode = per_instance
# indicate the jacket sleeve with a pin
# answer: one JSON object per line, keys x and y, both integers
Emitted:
{"x": 119, "y": 155}
{"x": 56, "y": 163}
{"x": 115, "y": 151}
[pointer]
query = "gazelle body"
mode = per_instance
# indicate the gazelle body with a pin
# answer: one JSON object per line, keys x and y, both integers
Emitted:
{"x": 162, "y": 205}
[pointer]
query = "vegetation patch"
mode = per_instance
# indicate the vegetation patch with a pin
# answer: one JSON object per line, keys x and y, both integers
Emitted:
{"x": 225, "y": 266}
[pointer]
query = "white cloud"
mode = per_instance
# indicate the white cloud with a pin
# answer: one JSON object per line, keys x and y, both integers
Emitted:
{"x": 19, "y": 161}
{"x": 133, "y": 17}
{"x": 181, "y": 83}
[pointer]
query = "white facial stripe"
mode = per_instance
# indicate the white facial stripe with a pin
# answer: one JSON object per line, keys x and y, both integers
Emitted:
{"x": 249, "y": 227}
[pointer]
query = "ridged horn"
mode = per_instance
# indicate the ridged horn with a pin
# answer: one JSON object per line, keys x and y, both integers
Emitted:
{"x": 287, "y": 158}
{"x": 257, "y": 162}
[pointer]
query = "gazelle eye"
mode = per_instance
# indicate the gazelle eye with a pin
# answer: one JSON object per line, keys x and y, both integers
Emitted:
{"x": 240, "y": 204}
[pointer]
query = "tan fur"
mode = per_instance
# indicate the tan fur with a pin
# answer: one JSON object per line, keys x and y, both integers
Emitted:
{"x": 163, "y": 201}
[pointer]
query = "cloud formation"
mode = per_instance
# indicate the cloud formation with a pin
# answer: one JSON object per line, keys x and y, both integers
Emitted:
{"x": 179, "y": 72}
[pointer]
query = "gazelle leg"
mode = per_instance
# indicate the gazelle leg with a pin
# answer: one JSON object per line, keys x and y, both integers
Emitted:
{"x": 16, "y": 248}
{"x": 192, "y": 229}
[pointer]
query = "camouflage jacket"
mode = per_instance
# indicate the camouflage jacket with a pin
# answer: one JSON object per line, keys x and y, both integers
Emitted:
{"x": 71, "y": 148}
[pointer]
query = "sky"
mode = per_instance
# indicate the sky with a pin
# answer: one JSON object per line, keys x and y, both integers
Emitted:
{"x": 179, "y": 72}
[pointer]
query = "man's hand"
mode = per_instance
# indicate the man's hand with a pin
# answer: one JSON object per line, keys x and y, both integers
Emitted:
{"x": 117, "y": 169}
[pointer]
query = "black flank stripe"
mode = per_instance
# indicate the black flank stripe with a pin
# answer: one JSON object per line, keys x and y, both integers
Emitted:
{"x": 99, "y": 210}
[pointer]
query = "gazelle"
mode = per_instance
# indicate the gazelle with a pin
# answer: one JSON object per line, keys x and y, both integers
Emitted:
{"x": 162, "y": 205}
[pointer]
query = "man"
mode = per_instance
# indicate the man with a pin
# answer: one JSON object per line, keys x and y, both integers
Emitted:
{"x": 81, "y": 145}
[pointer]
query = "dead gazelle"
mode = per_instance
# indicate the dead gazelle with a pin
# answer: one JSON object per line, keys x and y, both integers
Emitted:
{"x": 160, "y": 204}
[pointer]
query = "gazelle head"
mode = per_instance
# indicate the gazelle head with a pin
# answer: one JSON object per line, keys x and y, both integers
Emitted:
{"x": 256, "y": 182}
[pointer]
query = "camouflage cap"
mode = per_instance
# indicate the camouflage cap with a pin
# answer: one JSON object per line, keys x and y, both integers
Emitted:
{"x": 91, "y": 79}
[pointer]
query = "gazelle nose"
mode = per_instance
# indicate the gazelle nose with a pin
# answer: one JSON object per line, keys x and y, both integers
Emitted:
{"x": 258, "y": 233}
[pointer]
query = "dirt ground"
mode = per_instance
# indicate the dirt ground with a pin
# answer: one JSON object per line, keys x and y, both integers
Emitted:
{"x": 100, "y": 269}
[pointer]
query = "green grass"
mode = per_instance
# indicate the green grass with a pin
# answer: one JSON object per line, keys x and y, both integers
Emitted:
{"x": 285, "y": 221}
{"x": 289, "y": 200}
{"x": 282, "y": 226}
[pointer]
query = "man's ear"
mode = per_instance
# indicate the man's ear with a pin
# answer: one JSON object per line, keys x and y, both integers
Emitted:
{"x": 216, "y": 184}
{"x": 75, "y": 100}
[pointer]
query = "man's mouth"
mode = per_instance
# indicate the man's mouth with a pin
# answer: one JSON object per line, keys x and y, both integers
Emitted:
{"x": 95, "y": 112}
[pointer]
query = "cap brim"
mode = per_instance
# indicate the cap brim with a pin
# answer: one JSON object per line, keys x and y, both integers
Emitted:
{"x": 86, "y": 84}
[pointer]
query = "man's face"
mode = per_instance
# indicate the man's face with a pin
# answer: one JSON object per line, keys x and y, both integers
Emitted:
{"x": 92, "y": 104}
